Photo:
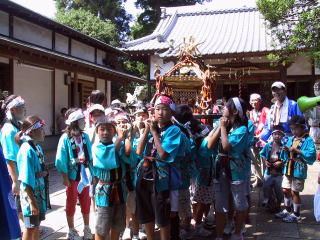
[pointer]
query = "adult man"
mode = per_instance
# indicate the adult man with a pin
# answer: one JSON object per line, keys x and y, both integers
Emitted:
{"x": 258, "y": 116}
{"x": 280, "y": 112}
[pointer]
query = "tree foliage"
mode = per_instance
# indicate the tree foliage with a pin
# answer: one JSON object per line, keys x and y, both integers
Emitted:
{"x": 87, "y": 23}
{"x": 112, "y": 10}
{"x": 295, "y": 26}
{"x": 150, "y": 17}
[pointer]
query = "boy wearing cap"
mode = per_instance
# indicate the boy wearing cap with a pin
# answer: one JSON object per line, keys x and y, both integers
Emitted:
{"x": 273, "y": 156}
{"x": 280, "y": 112}
{"x": 301, "y": 151}
{"x": 109, "y": 167}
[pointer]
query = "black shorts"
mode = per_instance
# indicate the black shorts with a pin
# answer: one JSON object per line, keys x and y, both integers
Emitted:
{"x": 18, "y": 203}
{"x": 33, "y": 221}
{"x": 152, "y": 206}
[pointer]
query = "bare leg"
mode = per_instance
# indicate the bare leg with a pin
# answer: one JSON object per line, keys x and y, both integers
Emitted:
{"x": 70, "y": 220}
{"x": 149, "y": 228}
{"x": 164, "y": 233}
{"x": 200, "y": 209}
{"x": 114, "y": 234}
{"x": 220, "y": 223}
{"x": 240, "y": 220}
{"x": 99, "y": 237}
{"x": 93, "y": 203}
{"x": 36, "y": 234}
{"x": 28, "y": 234}
{"x": 296, "y": 197}
{"x": 86, "y": 219}
{"x": 135, "y": 224}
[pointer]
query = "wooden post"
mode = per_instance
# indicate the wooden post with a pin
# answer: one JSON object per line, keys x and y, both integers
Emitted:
{"x": 283, "y": 74}
{"x": 11, "y": 76}
{"x": 76, "y": 90}
{"x": 53, "y": 98}
{"x": 149, "y": 79}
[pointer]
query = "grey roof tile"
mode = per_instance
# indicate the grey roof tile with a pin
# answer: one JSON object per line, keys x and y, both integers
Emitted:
{"x": 220, "y": 32}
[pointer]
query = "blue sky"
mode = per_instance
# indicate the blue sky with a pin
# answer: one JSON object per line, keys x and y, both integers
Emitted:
{"x": 47, "y": 7}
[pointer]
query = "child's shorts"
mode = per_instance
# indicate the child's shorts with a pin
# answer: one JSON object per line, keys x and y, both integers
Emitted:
{"x": 184, "y": 204}
{"x": 152, "y": 206}
{"x": 295, "y": 184}
{"x": 110, "y": 218}
{"x": 203, "y": 194}
{"x": 33, "y": 221}
{"x": 131, "y": 202}
{"x": 238, "y": 190}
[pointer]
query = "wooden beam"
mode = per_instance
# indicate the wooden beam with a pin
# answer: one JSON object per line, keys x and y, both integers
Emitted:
{"x": 76, "y": 90}
{"x": 53, "y": 99}
{"x": 11, "y": 76}
{"x": 69, "y": 46}
{"x": 10, "y": 25}
{"x": 53, "y": 40}
{"x": 95, "y": 55}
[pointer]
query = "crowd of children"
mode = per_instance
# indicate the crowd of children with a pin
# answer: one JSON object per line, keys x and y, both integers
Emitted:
{"x": 157, "y": 167}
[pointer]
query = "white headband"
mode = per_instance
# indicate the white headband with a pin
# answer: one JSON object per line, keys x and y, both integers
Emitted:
{"x": 35, "y": 126}
{"x": 237, "y": 103}
{"x": 255, "y": 96}
{"x": 75, "y": 116}
{"x": 16, "y": 102}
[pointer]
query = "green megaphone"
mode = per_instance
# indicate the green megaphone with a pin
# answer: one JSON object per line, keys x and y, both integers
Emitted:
{"x": 305, "y": 103}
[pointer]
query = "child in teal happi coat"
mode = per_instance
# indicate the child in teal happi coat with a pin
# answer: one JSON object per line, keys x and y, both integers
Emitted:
{"x": 30, "y": 162}
{"x": 74, "y": 162}
{"x": 14, "y": 109}
{"x": 109, "y": 163}
{"x": 156, "y": 181}
{"x": 301, "y": 153}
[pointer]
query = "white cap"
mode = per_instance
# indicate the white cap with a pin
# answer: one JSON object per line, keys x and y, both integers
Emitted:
{"x": 116, "y": 101}
{"x": 96, "y": 107}
{"x": 278, "y": 85}
{"x": 255, "y": 96}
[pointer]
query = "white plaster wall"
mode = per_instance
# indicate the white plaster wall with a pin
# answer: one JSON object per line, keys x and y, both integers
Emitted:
{"x": 101, "y": 85}
{"x": 157, "y": 60}
{"x": 61, "y": 43}
{"x": 35, "y": 86}
{"x": 32, "y": 33}
{"x": 82, "y": 50}
{"x": 100, "y": 56}
{"x": 4, "y": 60}
{"x": 4, "y": 23}
{"x": 317, "y": 71}
{"x": 301, "y": 66}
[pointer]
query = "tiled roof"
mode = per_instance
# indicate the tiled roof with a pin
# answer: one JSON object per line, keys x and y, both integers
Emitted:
{"x": 228, "y": 31}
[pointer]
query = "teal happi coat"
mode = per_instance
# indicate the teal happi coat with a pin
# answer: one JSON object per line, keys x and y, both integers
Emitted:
{"x": 29, "y": 165}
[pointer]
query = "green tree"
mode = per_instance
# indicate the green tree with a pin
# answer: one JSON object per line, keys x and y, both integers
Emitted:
{"x": 87, "y": 23}
{"x": 295, "y": 26}
{"x": 112, "y": 10}
{"x": 150, "y": 17}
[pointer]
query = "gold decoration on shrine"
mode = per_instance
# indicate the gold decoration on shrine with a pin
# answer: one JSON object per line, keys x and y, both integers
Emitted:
{"x": 189, "y": 81}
